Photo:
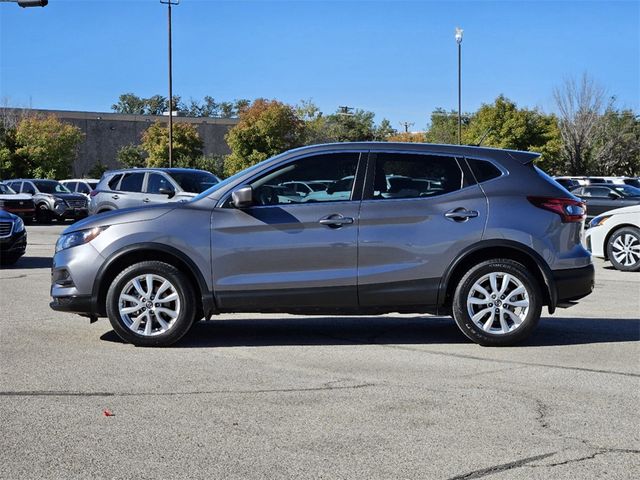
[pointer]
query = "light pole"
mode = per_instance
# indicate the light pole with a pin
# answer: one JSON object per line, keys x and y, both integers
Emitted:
{"x": 459, "y": 42}
{"x": 169, "y": 3}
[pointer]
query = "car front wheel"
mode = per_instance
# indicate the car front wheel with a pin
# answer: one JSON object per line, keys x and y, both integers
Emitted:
{"x": 497, "y": 303}
{"x": 151, "y": 304}
{"x": 623, "y": 249}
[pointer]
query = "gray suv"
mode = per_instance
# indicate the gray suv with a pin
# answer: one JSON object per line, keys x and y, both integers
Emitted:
{"x": 53, "y": 201}
{"x": 135, "y": 187}
{"x": 477, "y": 233}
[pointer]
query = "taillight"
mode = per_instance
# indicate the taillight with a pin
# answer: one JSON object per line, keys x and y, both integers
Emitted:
{"x": 93, "y": 193}
{"x": 570, "y": 211}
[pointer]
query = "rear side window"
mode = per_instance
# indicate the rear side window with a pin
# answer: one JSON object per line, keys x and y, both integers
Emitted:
{"x": 113, "y": 182}
{"x": 407, "y": 175}
{"x": 483, "y": 170}
{"x": 132, "y": 182}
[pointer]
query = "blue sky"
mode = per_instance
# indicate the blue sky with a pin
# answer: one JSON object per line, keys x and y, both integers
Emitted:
{"x": 395, "y": 58}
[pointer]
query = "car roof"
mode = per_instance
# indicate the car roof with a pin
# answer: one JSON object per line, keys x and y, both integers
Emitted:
{"x": 154, "y": 169}
{"x": 466, "y": 150}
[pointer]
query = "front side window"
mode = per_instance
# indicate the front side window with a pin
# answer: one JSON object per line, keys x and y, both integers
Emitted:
{"x": 132, "y": 182}
{"x": 332, "y": 174}
{"x": 596, "y": 192}
{"x": 71, "y": 186}
{"x": 83, "y": 188}
{"x": 28, "y": 188}
{"x": 408, "y": 175}
{"x": 156, "y": 181}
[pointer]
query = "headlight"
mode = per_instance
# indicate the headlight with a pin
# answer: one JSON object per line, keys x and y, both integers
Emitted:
{"x": 18, "y": 225}
{"x": 78, "y": 238}
{"x": 597, "y": 221}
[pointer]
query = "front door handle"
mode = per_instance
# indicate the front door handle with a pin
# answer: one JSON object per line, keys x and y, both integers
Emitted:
{"x": 146, "y": 200}
{"x": 461, "y": 214}
{"x": 115, "y": 197}
{"x": 335, "y": 221}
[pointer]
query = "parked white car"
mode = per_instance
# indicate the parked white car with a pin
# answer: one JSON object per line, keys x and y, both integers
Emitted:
{"x": 81, "y": 185}
{"x": 615, "y": 236}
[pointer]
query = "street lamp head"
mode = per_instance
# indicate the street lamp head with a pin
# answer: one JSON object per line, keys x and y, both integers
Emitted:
{"x": 459, "y": 35}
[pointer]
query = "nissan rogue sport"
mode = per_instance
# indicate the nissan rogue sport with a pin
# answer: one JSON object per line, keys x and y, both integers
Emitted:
{"x": 480, "y": 234}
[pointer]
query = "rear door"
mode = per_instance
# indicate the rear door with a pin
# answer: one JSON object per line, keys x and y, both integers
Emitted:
{"x": 418, "y": 213}
{"x": 289, "y": 252}
{"x": 130, "y": 190}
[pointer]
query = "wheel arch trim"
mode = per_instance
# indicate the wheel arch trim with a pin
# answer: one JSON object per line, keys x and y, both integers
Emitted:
{"x": 544, "y": 270}
{"x": 99, "y": 289}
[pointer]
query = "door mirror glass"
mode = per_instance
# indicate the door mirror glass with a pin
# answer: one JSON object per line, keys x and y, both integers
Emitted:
{"x": 242, "y": 197}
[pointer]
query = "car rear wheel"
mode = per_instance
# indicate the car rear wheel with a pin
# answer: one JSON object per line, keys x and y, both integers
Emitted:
{"x": 497, "y": 303}
{"x": 151, "y": 304}
{"x": 623, "y": 249}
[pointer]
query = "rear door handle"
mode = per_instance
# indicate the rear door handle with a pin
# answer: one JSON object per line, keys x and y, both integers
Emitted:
{"x": 146, "y": 200}
{"x": 335, "y": 221}
{"x": 461, "y": 214}
{"x": 115, "y": 197}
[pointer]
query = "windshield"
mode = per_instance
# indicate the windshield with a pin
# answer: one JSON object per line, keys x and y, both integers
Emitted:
{"x": 627, "y": 191}
{"x": 6, "y": 189}
{"x": 50, "y": 186}
{"x": 194, "y": 182}
{"x": 229, "y": 180}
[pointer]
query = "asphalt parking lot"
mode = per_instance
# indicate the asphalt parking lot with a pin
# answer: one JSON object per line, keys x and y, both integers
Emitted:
{"x": 273, "y": 396}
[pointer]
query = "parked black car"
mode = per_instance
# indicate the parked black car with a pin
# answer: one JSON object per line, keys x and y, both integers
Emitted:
{"x": 53, "y": 200}
{"x": 13, "y": 238}
{"x": 603, "y": 197}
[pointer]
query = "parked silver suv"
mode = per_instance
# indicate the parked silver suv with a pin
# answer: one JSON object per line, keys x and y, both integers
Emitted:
{"x": 478, "y": 233}
{"x": 135, "y": 187}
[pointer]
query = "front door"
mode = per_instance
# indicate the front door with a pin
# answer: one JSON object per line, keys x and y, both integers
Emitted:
{"x": 418, "y": 213}
{"x": 290, "y": 251}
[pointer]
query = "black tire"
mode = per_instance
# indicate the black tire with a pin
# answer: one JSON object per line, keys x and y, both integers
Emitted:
{"x": 43, "y": 214}
{"x": 473, "y": 331}
{"x": 620, "y": 236}
{"x": 183, "y": 288}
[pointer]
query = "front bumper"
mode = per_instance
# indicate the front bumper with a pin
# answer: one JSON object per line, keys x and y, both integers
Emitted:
{"x": 81, "y": 304}
{"x": 574, "y": 283}
{"x": 15, "y": 245}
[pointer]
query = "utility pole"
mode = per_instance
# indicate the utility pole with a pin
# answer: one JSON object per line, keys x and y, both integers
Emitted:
{"x": 406, "y": 126}
{"x": 458, "y": 37}
{"x": 344, "y": 110}
{"x": 169, "y": 3}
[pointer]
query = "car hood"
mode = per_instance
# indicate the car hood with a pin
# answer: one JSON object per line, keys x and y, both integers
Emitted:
{"x": 6, "y": 216}
{"x": 623, "y": 210}
{"x": 67, "y": 196}
{"x": 15, "y": 196}
{"x": 125, "y": 215}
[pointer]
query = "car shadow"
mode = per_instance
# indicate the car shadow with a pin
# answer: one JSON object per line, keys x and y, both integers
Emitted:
{"x": 29, "y": 263}
{"x": 419, "y": 330}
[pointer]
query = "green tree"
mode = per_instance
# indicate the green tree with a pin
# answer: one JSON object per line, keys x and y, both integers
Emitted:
{"x": 503, "y": 125}
{"x": 130, "y": 103}
{"x": 408, "y": 137}
{"x": 617, "y": 144}
{"x": 131, "y": 156}
{"x": 155, "y": 105}
{"x": 350, "y": 127}
{"x": 384, "y": 131}
{"x": 187, "y": 144}
{"x": 210, "y": 163}
{"x": 97, "y": 170}
{"x": 266, "y": 128}
{"x": 443, "y": 127}
{"x": 45, "y": 147}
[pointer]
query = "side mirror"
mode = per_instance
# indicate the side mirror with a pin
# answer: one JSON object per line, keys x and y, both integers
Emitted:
{"x": 242, "y": 197}
{"x": 167, "y": 191}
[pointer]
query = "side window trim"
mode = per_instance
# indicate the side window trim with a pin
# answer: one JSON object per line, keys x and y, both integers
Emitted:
{"x": 356, "y": 190}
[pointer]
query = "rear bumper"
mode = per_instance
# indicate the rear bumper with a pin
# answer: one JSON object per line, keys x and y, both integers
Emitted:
{"x": 574, "y": 283}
